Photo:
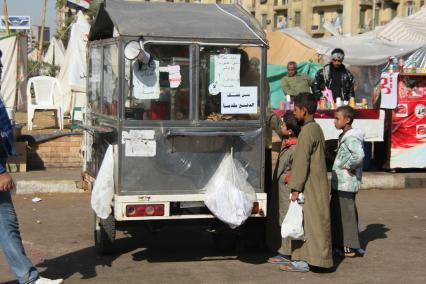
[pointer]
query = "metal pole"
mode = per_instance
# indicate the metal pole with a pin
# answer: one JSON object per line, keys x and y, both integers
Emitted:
{"x": 43, "y": 19}
{"x": 6, "y": 16}
{"x": 374, "y": 15}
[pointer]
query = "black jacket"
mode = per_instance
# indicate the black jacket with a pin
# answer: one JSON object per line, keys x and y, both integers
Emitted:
{"x": 322, "y": 79}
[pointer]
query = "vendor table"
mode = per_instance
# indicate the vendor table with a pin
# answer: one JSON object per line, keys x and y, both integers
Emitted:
{"x": 372, "y": 121}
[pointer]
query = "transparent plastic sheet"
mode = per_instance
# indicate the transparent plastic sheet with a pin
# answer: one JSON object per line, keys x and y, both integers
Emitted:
{"x": 187, "y": 163}
{"x": 103, "y": 189}
{"x": 228, "y": 195}
{"x": 292, "y": 226}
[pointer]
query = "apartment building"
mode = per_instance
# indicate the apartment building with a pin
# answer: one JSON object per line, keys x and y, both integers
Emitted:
{"x": 347, "y": 16}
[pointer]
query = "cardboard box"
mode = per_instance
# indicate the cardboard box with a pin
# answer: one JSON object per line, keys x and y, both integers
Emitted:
{"x": 18, "y": 163}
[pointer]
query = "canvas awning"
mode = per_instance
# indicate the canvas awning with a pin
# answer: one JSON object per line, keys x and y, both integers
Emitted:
{"x": 176, "y": 21}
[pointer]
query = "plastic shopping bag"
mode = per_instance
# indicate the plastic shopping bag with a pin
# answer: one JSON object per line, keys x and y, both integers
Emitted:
{"x": 103, "y": 189}
{"x": 229, "y": 196}
{"x": 292, "y": 226}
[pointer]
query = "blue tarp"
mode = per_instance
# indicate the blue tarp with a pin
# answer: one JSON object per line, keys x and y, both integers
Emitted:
{"x": 274, "y": 74}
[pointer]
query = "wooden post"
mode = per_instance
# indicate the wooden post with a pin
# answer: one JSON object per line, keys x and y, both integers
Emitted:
{"x": 6, "y": 16}
{"x": 43, "y": 20}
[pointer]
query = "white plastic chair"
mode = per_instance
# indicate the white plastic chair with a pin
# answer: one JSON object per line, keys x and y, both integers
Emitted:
{"x": 44, "y": 90}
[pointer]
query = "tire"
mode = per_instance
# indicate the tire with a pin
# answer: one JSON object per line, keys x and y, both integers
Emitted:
{"x": 104, "y": 234}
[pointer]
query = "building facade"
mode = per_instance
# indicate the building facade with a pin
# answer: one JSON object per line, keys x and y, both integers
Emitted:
{"x": 346, "y": 16}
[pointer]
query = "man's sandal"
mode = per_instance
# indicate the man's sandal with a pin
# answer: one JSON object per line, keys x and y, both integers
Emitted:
{"x": 279, "y": 259}
{"x": 290, "y": 267}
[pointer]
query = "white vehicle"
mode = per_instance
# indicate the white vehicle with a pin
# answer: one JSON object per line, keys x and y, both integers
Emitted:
{"x": 173, "y": 87}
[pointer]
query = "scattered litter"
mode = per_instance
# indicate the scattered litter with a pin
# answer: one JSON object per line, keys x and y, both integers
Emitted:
{"x": 38, "y": 222}
{"x": 36, "y": 199}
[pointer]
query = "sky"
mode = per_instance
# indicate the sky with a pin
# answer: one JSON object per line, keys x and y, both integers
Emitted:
{"x": 32, "y": 8}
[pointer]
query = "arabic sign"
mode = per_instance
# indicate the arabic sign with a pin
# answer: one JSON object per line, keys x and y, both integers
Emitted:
{"x": 16, "y": 23}
{"x": 244, "y": 101}
{"x": 227, "y": 72}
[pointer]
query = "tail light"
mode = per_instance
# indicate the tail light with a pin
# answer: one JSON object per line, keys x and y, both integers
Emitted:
{"x": 145, "y": 210}
{"x": 255, "y": 209}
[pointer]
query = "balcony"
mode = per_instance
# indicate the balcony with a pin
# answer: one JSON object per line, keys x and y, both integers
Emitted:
{"x": 317, "y": 30}
{"x": 326, "y": 3}
{"x": 280, "y": 7}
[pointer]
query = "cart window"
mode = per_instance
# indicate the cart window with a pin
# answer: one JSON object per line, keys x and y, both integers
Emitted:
{"x": 95, "y": 63}
{"x": 229, "y": 83}
{"x": 110, "y": 80}
{"x": 159, "y": 89}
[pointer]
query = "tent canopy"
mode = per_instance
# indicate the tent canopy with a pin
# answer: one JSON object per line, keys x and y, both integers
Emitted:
{"x": 284, "y": 48}
{"x": 176, "y": 21}
{"x": 360, "y": 50}
{"x": 55, "y": 53}
{"x": 13, "y": 81}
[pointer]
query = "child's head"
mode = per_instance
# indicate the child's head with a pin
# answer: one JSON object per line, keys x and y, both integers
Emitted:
{"x": 343, "y": 117}
{"x": 290, "y": 127}
{"x": 305, "y": 105}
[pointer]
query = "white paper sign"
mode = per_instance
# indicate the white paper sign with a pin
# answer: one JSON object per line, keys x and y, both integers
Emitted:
{"x": 227, "y": 72}
{"x": 175, "y": 78}
{"x": 146, "y": 81}
{"x": 139, "y": 143}
{"x": 389, "y": 90}
{"x": 244, "y": 101}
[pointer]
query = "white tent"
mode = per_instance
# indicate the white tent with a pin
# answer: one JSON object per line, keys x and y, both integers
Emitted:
{"x": 360, "y": 50}
{"x": 400, "y": 37}
{"x": 55, "y": 53}
{"x": 408, "y": 29}
{"x": 14, "y": 60}
{"x": 72, "y": 75}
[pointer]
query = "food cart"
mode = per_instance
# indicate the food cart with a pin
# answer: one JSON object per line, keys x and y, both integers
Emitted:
{"x": 173, "y": 87}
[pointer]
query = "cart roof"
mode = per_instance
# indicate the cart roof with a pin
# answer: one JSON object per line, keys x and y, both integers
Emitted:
{"x": 176, "y": 21}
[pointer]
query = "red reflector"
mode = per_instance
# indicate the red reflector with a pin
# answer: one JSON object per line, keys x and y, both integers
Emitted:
{"x": 255, "y": 209}
{"x": 145, "y": 210}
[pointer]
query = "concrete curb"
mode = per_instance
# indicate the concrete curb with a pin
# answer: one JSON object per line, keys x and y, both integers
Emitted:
{"x": 47, "y": 186}
{"x": 371, "y": 180}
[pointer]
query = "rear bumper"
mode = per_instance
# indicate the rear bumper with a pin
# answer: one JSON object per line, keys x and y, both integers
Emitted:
{"x": 121, "y": 202}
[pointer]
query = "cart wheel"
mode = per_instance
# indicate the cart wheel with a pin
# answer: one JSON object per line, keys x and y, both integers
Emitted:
{"x": 224, "y": 238}
{"x": 104, "y": 234}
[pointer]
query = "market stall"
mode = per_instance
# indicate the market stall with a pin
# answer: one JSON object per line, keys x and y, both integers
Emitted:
{"x": 408, "y": 139}
{"x": 369, "y": 120}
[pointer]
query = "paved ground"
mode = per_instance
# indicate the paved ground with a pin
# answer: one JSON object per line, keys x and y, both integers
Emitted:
{"x": 61, "y": 244}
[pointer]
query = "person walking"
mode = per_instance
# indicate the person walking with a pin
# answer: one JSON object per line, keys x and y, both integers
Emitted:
{"x": 10, "y": 237}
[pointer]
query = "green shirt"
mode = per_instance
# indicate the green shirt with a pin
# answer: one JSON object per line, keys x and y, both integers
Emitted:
{"x": 299, "y": 83}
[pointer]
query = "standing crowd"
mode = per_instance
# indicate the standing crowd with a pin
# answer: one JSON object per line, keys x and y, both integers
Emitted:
{"x": 330, "y": 218}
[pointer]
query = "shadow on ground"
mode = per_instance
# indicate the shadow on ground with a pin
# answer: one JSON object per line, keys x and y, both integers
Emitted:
{"x": 371, "y": 233}
{"x": 171, "y": 244}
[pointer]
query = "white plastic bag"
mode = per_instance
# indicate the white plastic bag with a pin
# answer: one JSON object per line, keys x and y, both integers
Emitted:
{"x": 229, "y": 196}
{"x": 103, "y": 189}
{"x": 292, "y": 226}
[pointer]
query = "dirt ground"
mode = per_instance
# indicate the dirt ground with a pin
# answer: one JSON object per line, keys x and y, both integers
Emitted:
{"x": 58, "y": 236}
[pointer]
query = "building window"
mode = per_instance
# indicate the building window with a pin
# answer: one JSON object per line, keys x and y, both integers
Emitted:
{"x": 321, "y": 18}
{"x": 264, "y": 20}
{"x": 362, "y": 18}
{"x": 410, "y": 8}
{"x": 285, "y": 2}
{"x": 422, "y": 3}
{"x": 297, "y": 19}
